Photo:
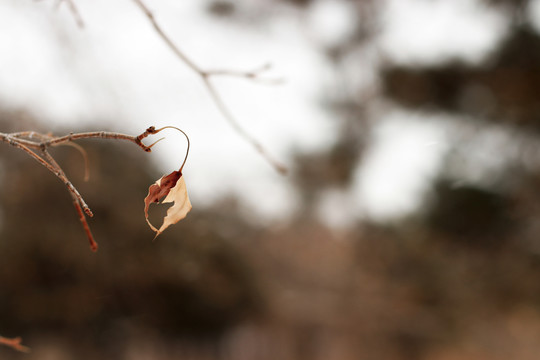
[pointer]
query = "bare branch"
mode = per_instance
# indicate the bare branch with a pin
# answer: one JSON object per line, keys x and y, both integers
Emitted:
{"x": 95, "y": 134}
{"x": 252, "y": 75}
{"x": 206, "y": 77}
{"x": 14, "y": 343}
{"x": 19, "y": 143}
{"x": 166, "y": 38}
{"x": 240, "y": 130}
{"x": 74, "y": 11}
{"x": 30, "y": 142}
{"x": 78, "y": 201}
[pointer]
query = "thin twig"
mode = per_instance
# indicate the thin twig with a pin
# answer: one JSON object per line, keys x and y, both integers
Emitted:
{"x": 74, "y": 11}
{"x": 205, "y": 77}
{"x": 253, "y": 75}
{"x": 44, "y": 137}
{"x": 84, "y": 155}
{"x": 14, "y": 343}
{"x": 166, "y": 38}
{"x": 31, "y": 135}
{"x": 94, "y": 134}
{"x": 240, "y": 130}
{"x": 19, "y": 143}
{"x": 78, "y": 202}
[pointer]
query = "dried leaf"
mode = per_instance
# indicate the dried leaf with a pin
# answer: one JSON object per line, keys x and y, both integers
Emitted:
{"x": 173, "y": 188}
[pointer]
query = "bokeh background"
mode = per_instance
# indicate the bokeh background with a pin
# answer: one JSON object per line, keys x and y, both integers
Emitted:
{"x": 408, "y": 225}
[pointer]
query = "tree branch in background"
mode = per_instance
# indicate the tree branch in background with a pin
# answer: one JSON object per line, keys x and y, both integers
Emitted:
{"x": 14, "y": 343}
{"x": 74, "y": 11}
{"x": 36, "y": 145}
{"x": 206, "y": 76}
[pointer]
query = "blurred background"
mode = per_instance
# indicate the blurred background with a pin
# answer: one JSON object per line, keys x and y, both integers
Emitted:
{"x": 407, "y": 227}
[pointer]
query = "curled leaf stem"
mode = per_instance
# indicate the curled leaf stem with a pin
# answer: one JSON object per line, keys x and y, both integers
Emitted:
{"x": 187, "y": 138}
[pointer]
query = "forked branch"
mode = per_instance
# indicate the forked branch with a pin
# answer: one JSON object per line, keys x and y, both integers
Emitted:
{"x": 36, "y": 145}
{"x": 207, "y": 75}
